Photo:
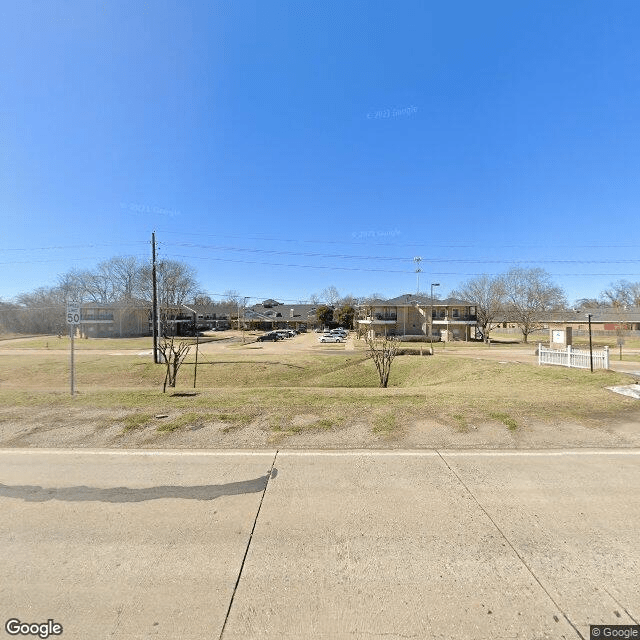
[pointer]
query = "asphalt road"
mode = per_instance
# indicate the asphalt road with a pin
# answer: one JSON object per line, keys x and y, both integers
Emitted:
{"x": 294, "y": 544}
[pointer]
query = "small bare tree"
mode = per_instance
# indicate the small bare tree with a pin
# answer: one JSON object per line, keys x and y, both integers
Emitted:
{"x": 173, "y": 356}
{"x": 382, "y": 351}
{"x": 529, "y": 295}
{"x": 487, "y": 293}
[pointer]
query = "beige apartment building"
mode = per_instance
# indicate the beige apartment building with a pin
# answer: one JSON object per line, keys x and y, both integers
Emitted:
{"x": 418, "y": 316}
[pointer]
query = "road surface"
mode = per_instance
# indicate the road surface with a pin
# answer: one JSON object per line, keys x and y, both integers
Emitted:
{"x": 302, "y": 544}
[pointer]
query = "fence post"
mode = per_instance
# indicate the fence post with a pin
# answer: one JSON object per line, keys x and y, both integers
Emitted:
{"x": 539, "y": 353}
{"x": 606, "y": 357}
{"x": 569, "y": 356}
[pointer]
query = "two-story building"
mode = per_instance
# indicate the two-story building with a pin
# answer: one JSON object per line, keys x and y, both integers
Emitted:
{"x": 417, "y": 315}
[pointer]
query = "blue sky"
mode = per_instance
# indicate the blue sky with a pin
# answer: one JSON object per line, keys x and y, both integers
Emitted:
{"x": 283, "y": 147}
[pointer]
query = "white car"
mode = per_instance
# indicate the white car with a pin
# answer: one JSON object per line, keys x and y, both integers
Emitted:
{"x": 328, "y": 337}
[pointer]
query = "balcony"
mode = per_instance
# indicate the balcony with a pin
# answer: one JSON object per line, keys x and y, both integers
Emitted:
{"x": 380, "y": 318}
{"x": 467, "y": 319}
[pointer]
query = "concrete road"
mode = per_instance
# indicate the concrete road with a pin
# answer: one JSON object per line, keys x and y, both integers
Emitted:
{"x": 294, "y": 544}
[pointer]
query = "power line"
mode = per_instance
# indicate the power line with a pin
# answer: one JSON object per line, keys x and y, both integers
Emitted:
{"x": 394, "y": 258}
{"x": 75, "y": 246}
{"x": 65, "y": 259}
{"x": 425, "y": 245}
{"x": 360, "y": 269}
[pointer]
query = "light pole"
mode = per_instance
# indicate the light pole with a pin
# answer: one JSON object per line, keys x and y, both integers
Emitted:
{"x": 589, "y": 315}
{"x": 243, "y": 306}
{"x": 404, "y": 321}
{"x": 433, "y": 284}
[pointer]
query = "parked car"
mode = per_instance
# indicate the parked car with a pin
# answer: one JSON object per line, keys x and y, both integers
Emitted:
{"x": 329, "y": 337}
{"x": 339, "y": 332}
{"x": 272, "y": 336}
{"x": 282, "y": 334}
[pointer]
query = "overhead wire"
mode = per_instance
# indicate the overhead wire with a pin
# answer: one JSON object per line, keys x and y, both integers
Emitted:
{"x": 455, "y": 245}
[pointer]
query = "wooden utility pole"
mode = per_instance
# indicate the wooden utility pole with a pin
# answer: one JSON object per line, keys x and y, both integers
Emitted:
{"x": 154, "y": 312}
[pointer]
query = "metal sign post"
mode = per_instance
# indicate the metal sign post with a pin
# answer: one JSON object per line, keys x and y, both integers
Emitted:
{"x": 73, "y": 319}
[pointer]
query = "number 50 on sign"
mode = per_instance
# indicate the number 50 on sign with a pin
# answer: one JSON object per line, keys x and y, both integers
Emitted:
{"x": 73, "y": 315}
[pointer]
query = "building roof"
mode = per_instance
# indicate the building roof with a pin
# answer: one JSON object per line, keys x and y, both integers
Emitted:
{"x": 605, "y": 314}
{"x": 296, "y": 312}
{"x": 420, "y": 298}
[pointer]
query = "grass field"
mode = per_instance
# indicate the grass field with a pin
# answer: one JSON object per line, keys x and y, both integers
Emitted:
{"x": 237, "y": 389}
{"x": 95, "y": 344}
{"x": 579, "y": 342}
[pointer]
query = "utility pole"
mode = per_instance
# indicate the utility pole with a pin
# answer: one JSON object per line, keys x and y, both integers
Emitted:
{"x": 418, "y": 260}
{"x": 154, "y": 312}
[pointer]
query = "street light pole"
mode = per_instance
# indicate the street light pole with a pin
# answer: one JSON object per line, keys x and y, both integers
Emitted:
{"x": 243, "y": 306}
{"x": 433, "y": 284}
{"x": 590, "y": 343}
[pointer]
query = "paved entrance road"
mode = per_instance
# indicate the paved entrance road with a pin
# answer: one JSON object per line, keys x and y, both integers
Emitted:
{"x": 291, "y": 544}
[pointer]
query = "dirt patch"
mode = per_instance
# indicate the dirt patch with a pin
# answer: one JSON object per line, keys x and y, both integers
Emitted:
{"x": 107, "y": 429}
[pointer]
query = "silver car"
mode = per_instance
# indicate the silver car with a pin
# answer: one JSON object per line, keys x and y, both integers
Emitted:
{"x": 329, "y": 337}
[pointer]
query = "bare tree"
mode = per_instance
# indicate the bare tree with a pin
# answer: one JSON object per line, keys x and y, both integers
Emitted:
{"x": 231, "y": 296}
{"x": 589, "y": 303}
{"x": 173, "y": 356}
{"x": 201, "y": 299}
{"x": 73, "y": 286}
{"x": 330, "y": 295}
{"x": 487, "y": 293}
{"x": 176, "y": 282}
{"x": 41, "y": 311}
{"x": 529, "y": 294}
{"x": 118, "y": 279}
{"x": 347, "y": 300}
{"x": 10, "y": 318}
{"x": 382, "y": 351}
{"x": 372, "y": 297}
{"x": 123, "y": 275}
{"x": 622, "y": 293}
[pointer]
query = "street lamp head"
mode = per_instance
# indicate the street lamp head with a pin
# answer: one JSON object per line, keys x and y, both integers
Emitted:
{"x": 435, "y": 284}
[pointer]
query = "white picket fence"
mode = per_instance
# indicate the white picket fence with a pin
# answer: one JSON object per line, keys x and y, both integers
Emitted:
{"x": 569, "y": 357}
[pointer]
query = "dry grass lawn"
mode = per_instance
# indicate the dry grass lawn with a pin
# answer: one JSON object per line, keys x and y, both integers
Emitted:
{"x": 280, "y": 398}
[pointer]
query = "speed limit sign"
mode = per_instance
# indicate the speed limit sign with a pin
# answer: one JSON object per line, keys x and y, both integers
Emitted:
{"x": 73, "y": 315}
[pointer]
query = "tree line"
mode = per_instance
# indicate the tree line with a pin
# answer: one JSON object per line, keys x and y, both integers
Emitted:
{"x": 122, "y": 280}
{"x": 521, "y": 295}
{"x": 525, "y": 296}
